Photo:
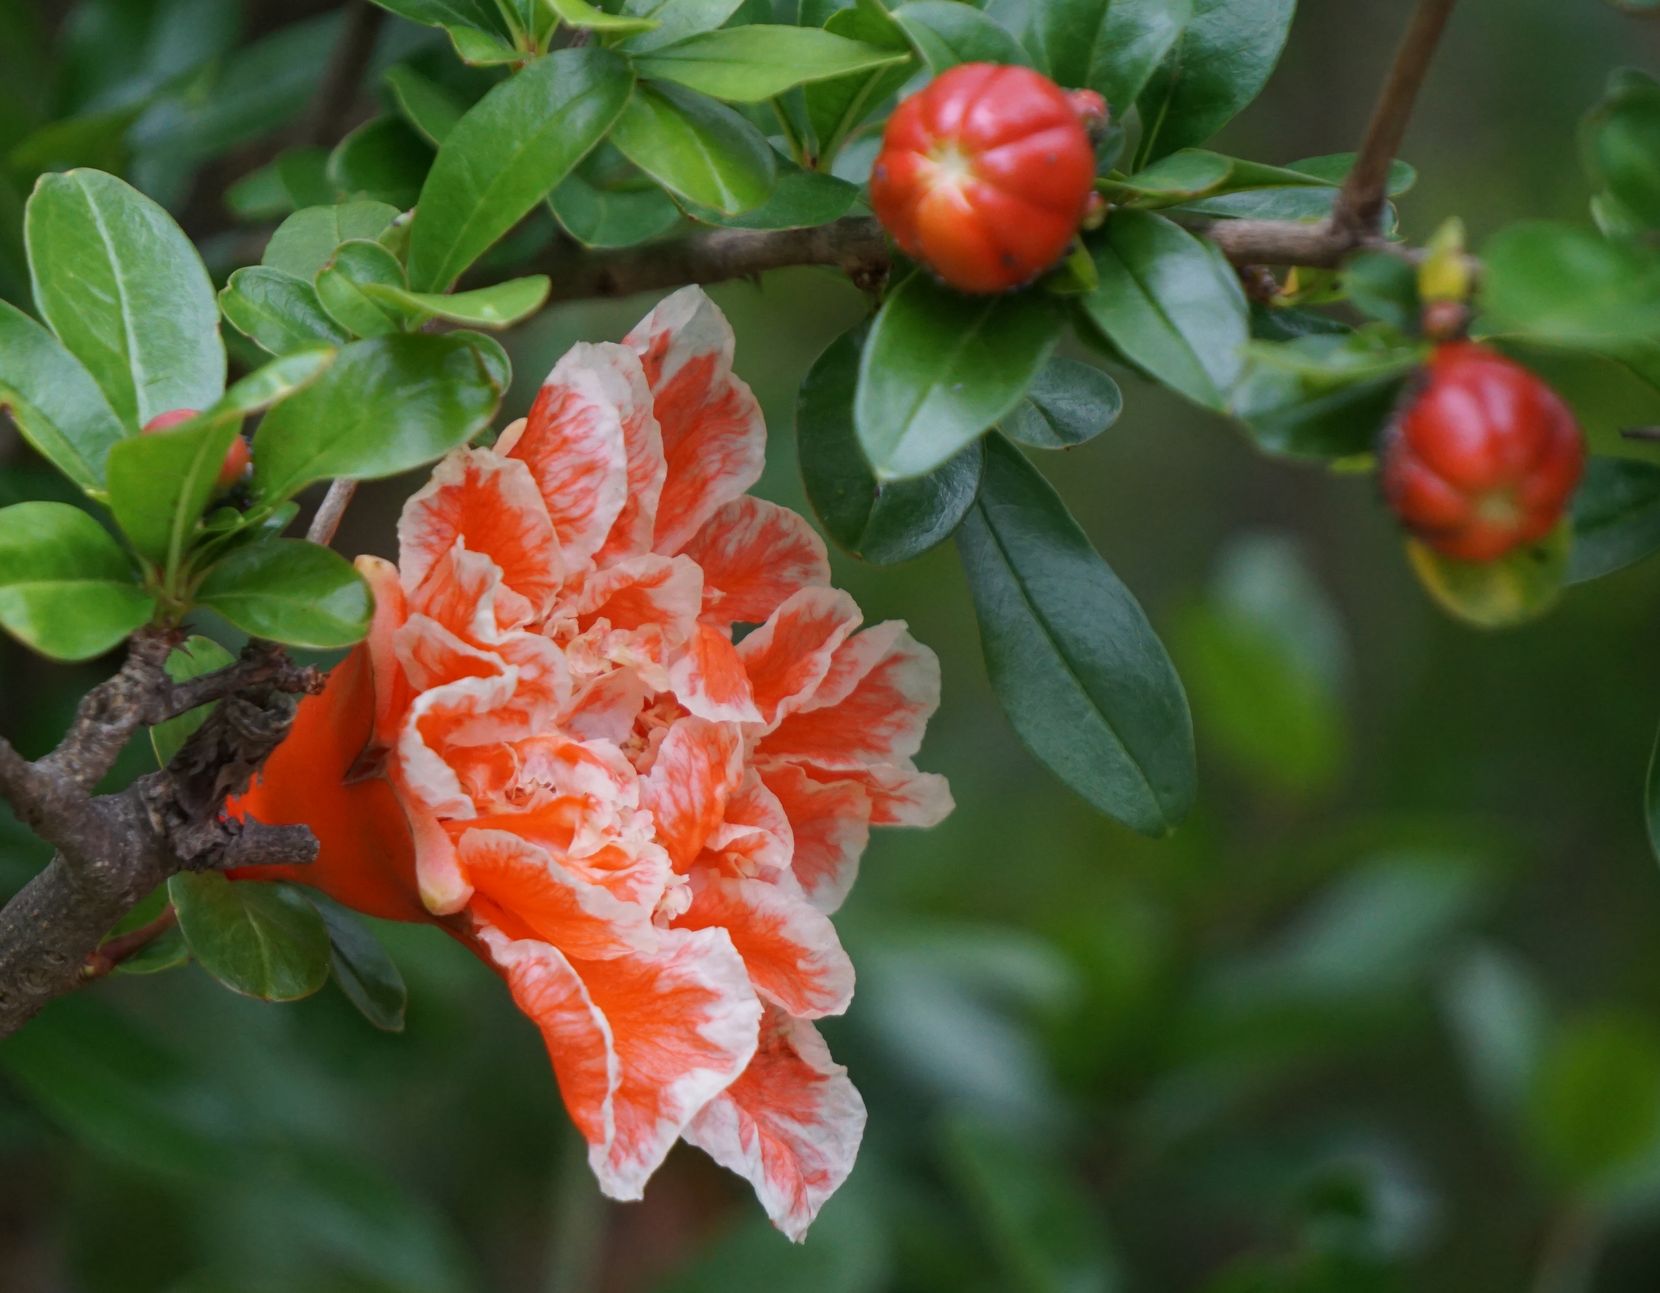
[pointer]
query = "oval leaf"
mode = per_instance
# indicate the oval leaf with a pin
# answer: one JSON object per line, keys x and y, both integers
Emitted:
{"x": 1111, "y": 46}
{"x": 66, "y": 588}
{"x": 757, "y": 62}
{"x": 53, "y": 400}
{"x": 305, "y": 241}
{"x": 341, "y": 283}
{"x": 159, "y": 483}
{"x": 506, "y": 153}
{"x": 882, "y": 523}
{"x": 500, "y": 305}
{"x": 696, "y": 148}
{"x": 597, "y": 216}
{"x": 1067, "y": 403}
{"x": 1518, "y": 587}
{"x": 126, "y": 293}
{"x": 1073, "y": 660}
{"x": 940, "y": 368}
{"x": 1616, "y": 517}
{"x": 278, "y": 312}
{"x": 290, "y": 591}
{"x": 262, "y": 940}
{"x": 366, "y": 974}
{"x": 946, "y": 33}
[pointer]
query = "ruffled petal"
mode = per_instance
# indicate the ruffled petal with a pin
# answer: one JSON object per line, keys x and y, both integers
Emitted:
{"x": 791, "y": 1125}
{"x": 643, "y": 443}
{"x": 574, "y": 445}
{"x": 830, "y": 826}
{"x": 788, "y": 656}
{"x": 714, "y": 438}
{"x": 698, "y": 766}
{"x": 789, "y": 947}
{"x": 640, "y": 591}
{"x": 707, "y": 676}
{"x": 754, "y": 555}
{"x": 520, "y": 886}
{"x": 755, "y": 837}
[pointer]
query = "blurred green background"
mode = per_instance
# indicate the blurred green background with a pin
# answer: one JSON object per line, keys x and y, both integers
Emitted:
{"x": 1383, "y": 1015}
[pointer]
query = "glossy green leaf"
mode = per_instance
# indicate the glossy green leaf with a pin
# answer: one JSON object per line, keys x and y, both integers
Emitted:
{"x": 289, "y": 591}
{"x": 586, "y": 17}
{"x": 696, "y": 148}
{"x": 1520, "y": 586}
{"x": 342, "y": 288}
{"x": 506, "y": 153}
{"x": 500, "y": 305}
{"x": 1616, "y": 517}
{"x": 192, "y": 658}
{"x": 427, "y": 106}
{"x": 262, "y": 940}
{"x": 757, "y": 62}
{"x": 366, "y": 974}
{"x": 836, "y": 108}
{"x": 66, "y": 588}
{"x": 600, "y": 216}
{"x": 278, "y": 312}
{"x": 1384, "y": 287}
{"x": 305, "y": 241}
{"x": 479, "y": 15}
{"x": 54, "y": 401}
{"x": 1221, "y": 62}
{"x": 1171, "y": 305}
{"x": 298, "y": 178}
{"x": 481, "y": 49}
{"x": 1287, "y": 418}
{"x": 882, "y": 523}
{"x": 383, "y": 160}
{"x": 387, "y": 405}
{"x": 274, "y": 382}
{"x": 945, "y": 33}
{"x": 1621, "y": 145}
{"x": 799, "y": 200}
{"x": 940, "y": 368}
{"x": 1302, "y": 200}
{"x": 1110, "y": 46}
{"x": 1067, "y": 403}
{"x": 1074, "y": 662}
{"x": 126, "y": 293}
{"x": 676, "y": 20}
{"x": 160, "y": 483}
{"x": 1566, "y": 286}
{"x": 1594, "y": 1109}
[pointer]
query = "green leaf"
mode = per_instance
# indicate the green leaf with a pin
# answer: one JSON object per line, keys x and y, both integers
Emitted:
{"x": 365, "y": 973}
{"x": 940, "y": 368}
{"x": 387, "y": 405}
{"x": 1171, "y": 305}
{"x": 383, "y": 160}
{"x": 1651, "y": 799}
{"x": 506, "y": 153}
{"x": 160, "y": 482}
{"x": 1110, "y": 46}
{"x": 1594, "y": 1109}
{"x": 66, "y": 588}
{"x": 1383, "y": 287}
{"x": 342, "y": 288}
{"x": 1566, "y": 286}
{"x": 481, "y": 49}
{"x": 1520, "y": 586}
{"x": 278, "y": 312}
{"x": 1501, "y": 1020}
{"x": 297, "y": 178}
{"x": 478, "y": 15}
{"x": 882, "y": 523}
{"x": 1620, "y": 141}
{"x": 274, "y": 382}
{"x": 53, "y": 400}
{"x": 289, "y": 591}
{"x": 260, "y": 939}
{"x": 696, "y": 148}
{"x": 836, "y": 108}
{"x": 500, "y": 305}
{"x": 754, "y": 63}
{"x": 587, "y": 17}
{"x": 427, "y": 106}
{"x": 305, "y": 241}
{"x": 1290, "y": 419}
{"x": 1222, "y": 61}
{"x": 599, "y": 216}
{"x": 1302, "y": 200}
{"x": 799, "y": 200}
{"x": 126, "y": 293}
{"x": 192, "y": 658}
{"x": 1074, "y": 662}
{"x": 1067, "y": 403}
{"x": 945, "y": 33}
{"x": 1616, "y": 517}
{"x": 676, "y": 20}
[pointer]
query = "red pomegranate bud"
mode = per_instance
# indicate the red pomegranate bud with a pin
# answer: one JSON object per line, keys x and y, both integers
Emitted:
{"x": 984, "y": 175}
{"x": 1091, "y": 109}
{"x": 172, "y": 418}
{"x": 1484, "y": 459}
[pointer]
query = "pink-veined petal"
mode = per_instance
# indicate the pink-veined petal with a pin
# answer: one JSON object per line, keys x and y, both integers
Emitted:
{"x": 714, "y": 438}
{"x": 791, "y": 1125}
{"x": 708, "y": 677}
{"x": 640, "y": 591}
{"x": 789, "y": 947}
{"x": 698, "y": 766}
{"x": 605, "y": 708}
{"x": 830, "y": 825}
{"x": 755, "y": 837}
{"x": 530, "y": 888}
{"x": 788, "y": 656}
{"x": 574, "y": 446}
{"x": 643, "y": 443}
{"x": 754, "y": 554}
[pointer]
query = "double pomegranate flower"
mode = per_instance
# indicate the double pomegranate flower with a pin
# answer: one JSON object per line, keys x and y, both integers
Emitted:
{"x": 614, "y": 729}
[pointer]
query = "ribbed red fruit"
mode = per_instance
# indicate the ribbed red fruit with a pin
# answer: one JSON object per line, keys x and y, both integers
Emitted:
{"x": 236, "y": 457}
{"x": 1485, "y": 458}
{"x": 984, "y": 173}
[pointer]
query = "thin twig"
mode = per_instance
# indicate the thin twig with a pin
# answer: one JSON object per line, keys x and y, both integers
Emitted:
{"x": 112, "y": 951}
{"x": 330, "y": 511}
{"x": 343, "y": 76}
{"x": 1360, "y": 203}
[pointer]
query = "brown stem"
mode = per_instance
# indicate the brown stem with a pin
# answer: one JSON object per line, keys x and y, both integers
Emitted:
{"x": 1360, "y": 203}
{"x": 112, "y": 951}
{"x": 343, "y": 76}
{"x": 331, "y": 511}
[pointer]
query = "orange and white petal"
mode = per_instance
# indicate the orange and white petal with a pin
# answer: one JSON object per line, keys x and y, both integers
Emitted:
{"x": 463, "y": 590}
{"x": 755, "y": 837}
{"x": 754, "y": 554}
{"x": 392, "y": 690}
{"x": 697, "y": 768}
{"x": 684, "y": 1024}
{"x": 491, "y": 505}
{"x": 902, "y": 796}
{"x": 708, "y": 677}
{"x": 642, "y": 591}
{"x": 636, "y": 524}
{"x": 872, "y": 708}
{"x": 423, "y": 770}
{"x": 830, "y": 827}
{"x": 535, "y": 896}
{"x": 791, "y": 1125}
{"x": 714, "y": 438}
{"x": 789, "y": 947}
{"x": 574, "y": 446}
{"x": 604, "y": 709}
{"x": 788, "y": 656}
